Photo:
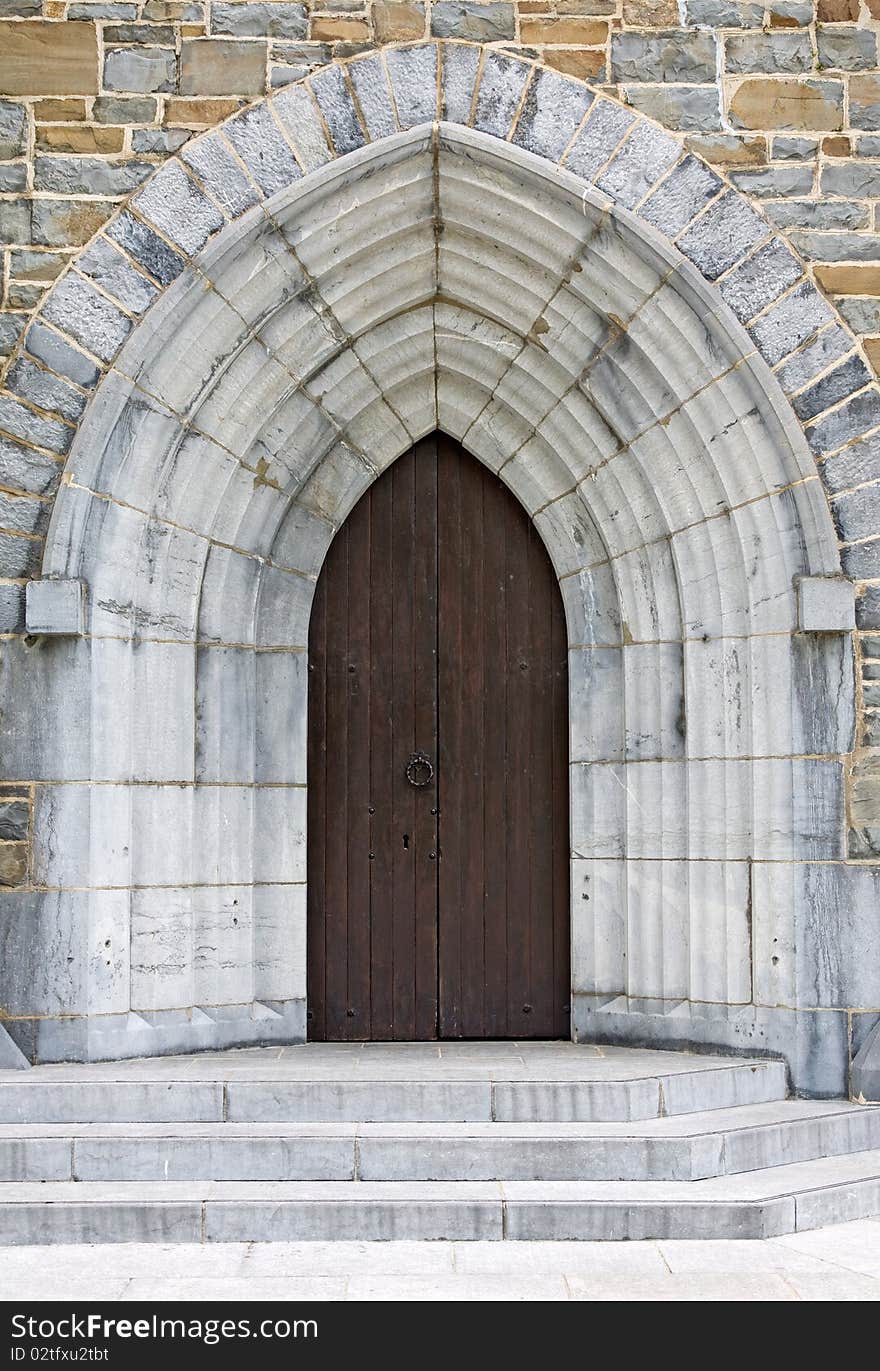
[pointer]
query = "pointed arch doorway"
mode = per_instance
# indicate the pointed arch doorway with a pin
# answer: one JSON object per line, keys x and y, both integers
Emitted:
{"x": 438, "y": 840}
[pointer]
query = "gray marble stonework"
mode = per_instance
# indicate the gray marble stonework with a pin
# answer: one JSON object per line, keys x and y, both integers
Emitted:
{"x": 511, "y": 285}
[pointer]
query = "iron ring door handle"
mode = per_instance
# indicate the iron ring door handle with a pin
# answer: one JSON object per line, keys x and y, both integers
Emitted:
{"x": 420, "y": 770}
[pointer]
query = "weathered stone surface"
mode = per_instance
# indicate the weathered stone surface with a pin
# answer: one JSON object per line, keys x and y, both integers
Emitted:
{"x": 650, "y": 13}
{"x": 849, "y": 280}
{"x": 482, "y": 23}
{"x": 57, "y": 352}
{"x": 21, "y": 422}
{"x": 44, "y": 389}
{"x": 140, "y": 69}
{"x": 641, "y": 161}
{"x": 724, "y": 234}
{"x": 159, "y": 142}
{"x": 396, "y": 21}
{"x": 671, "y": 56}
{"x": 147, "y": 248}
{"x": 826, "y": 604}
{"x": 795, "y": 149}
{"x": 115, "y": 275}
{"x": 501, "y": 85}
{"x": 685, "y": 192}
{"x": 14, "y": 820}
{"x": 561, "y": 29}
{"x": 728, "y": 149}
{"x": 850, "y": 421}
{"x": 89, "y": 175}
{"x": 846, "y": 49}
{"x": 831, "y": 344}
{"x": 551, "y": 115}
{"x": 774, "y": 181}
{"x": 864, "y": 102}
{"x": 413, "y": 73}
{"x": 15, "y": 221}
{"x": 11, "y": 327}
{"x": 174, "y": 203}
{"x": 689, "y": 108}
{"x": 13, "y": 129}
{"x": 818, "y": 214}
{"x": 82, "y": 138}
{"x": 604, "y": 130}
{"x": 260, "y": 144}
{"x": 338, "y": 109}
{"x": 837, "y": 247}
{"x": 124, "y": 109}
{"x": 220, "y": 173}
{"x": 49, "y": 58}
{"x": 863, "y": 316}
{"x": 13, "y": 177}
{"x": 724, "y": 13}
{"x": 278, "y": 20}
{"x": 210, "y": 67}
{"x": 790, "y": 323}
{"x": 56, "y": 607}
{"x": 79, "y": 310}
{"x": 13, "y": 863}
{"x": 370, "y": 84}
{"x": 752, "y": 286}
{"x": 851, "y": 178}
{"x": 768, "y": 52}
{"x": 787, "y": 104}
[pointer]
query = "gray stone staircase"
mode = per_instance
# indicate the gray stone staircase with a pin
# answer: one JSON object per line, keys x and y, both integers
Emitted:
{"x": 458, "y": 1141}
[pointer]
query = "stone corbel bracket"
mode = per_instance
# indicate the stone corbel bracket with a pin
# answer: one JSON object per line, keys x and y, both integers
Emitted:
{"x": 55, "y": 608}
{"x": 826, "y": 604}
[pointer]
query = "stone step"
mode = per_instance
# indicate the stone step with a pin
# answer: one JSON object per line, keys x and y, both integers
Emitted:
{"x": 686, "y": 1147}
{"x": 759, "y": 1204}
{"x": 566, "y": 1084}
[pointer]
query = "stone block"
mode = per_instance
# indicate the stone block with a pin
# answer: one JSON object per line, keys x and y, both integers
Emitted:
{"x": 481, "y": 23}
{"x": 605, "y": 128}
{"x": 818, "y": 214}
{"x": 851, "y": 376}
{"x": 724, "y": 14}
{"x": 89, "y": 175}
{"x": 723, "y": 235}
{"x": 79, "y": 310}
{"x": 55, "y": 607}
{"x": 644, "y": 158}
{"x": 501, "y": 86}
{"x": 123, "y": 109}
{"x": 265, "y": 17}
{"x": 826, "y": 604}
{"x": 771, "y": 182}
{"x": 846, "y": 423}
{"x": 553, "y": 110}
{"x": 220, "y": 173}
{"x": 80, "y": 138}
{"x": 864, "y": 102}
{"x": 865, "y": 1079}
{"x": 676, "y": 56}
{"x": 787, "y": 104}
{"x": 837, "y": 247}
{"x": 413, "y": 74}
{"x": 788, "y": 324}
{"x": 24, "y": 423}
{"x": 768, "y": 52}
{"x": 752, "y": 286}
{"x": 140, "y": 69}
{"x": 691, "y": 109}
{"x": 13, "y": 129}
{"x": 846, "y": 49}
{"x": 832, "y": 344}
{"x": 332, "y": 94}
{"x": 684, "y": 193}
{"x": 396, "y": 21}
{"x": 44, "y": 389}
{"x": 210, "y": 67}
{"x": 67, "y": 223}
{"x": 11, "y": 328}
{"x": 370, "y": 82}
{"x": 49, "y": 58}
{"x": 174, "y": 203}
{"x": 146, "y": 248}
{"x": 299, "y": 118}
{"x": 58, "y": 353}
{"x": 561, "y": 29}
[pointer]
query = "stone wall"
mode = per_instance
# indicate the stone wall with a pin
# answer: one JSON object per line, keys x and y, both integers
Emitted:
{"x": 785, "y": 98}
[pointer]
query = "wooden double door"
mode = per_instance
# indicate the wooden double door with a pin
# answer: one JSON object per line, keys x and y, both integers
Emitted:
{"x": 438, "y": 885}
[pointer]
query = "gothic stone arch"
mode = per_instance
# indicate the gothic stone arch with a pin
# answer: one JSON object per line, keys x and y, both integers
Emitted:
{"x": 441, "y": 236}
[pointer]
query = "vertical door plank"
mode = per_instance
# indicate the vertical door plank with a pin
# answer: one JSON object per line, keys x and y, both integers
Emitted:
{"x": 384, "y": 849}
{"x": 316, "y": 836}
{"x": 424, "y": 798}
{"x": 338, "y": 1024}
{"x": 451, "y": 725}
{"x": 357, "y": 683}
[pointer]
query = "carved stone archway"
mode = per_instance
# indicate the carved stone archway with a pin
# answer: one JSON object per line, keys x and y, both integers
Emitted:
{"x": 441, "y": 237}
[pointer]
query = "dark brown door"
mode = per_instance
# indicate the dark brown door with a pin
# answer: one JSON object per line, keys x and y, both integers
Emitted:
{"x": 438, "y": 765}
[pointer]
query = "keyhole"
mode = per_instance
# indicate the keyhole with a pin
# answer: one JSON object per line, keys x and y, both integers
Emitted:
{"x": 406, "y": 841}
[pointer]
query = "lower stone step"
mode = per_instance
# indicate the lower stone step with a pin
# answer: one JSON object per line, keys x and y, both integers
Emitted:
{"x": 759, "y": 1204}
{"x": 567, "y": 1084}
{"x": 685, "y": 1147}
